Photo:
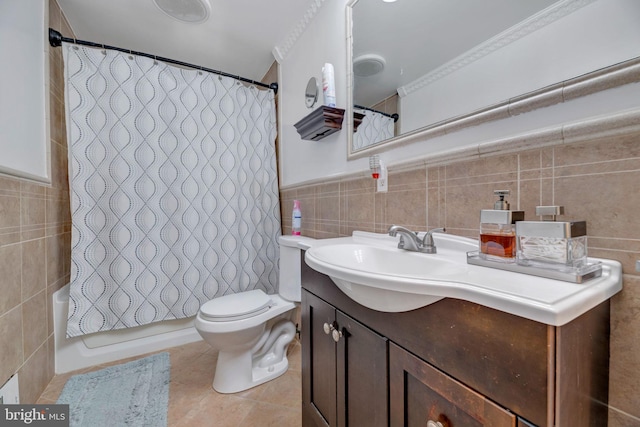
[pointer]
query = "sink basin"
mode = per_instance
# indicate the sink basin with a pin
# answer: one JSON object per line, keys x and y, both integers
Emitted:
{"x": 380, "y": 276}
{"x": 384, "y": 261}
{"x": 371, "y": 270}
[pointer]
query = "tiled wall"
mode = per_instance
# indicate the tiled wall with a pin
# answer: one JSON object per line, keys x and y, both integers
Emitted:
{"x": 595, "y": 181}
{"x": 35, "y": 241}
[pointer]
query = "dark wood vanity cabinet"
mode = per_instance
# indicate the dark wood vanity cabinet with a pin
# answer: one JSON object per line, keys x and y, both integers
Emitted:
{"x": 345, "y": 369}
{"x": 453, "y": 362}
{"x": 421, "y": 393}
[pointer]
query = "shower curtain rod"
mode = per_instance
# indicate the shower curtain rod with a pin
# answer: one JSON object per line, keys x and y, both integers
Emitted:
{"x": 56, "y": 39}
{"x": 394, "y": 116}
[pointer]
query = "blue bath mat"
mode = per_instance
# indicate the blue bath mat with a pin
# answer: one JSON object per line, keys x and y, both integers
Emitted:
{"x": 131, "y": 394}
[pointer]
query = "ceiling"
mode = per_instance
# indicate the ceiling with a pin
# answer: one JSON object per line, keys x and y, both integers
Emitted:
{"x": 238, "y": 38}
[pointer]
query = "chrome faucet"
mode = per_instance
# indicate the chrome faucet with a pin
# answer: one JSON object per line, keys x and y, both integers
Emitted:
{"x": 410, "y": 241}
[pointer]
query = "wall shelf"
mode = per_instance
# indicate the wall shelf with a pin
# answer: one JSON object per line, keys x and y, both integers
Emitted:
{"x": 357, "y": 119}
{"x": 320, "y": 123}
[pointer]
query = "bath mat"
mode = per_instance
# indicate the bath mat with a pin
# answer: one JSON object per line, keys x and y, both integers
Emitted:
{"x": 131, "y": 394}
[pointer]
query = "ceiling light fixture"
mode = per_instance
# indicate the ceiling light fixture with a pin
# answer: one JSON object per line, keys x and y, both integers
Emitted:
{"x": 191, "y": 11}
{"x": 368, "y": 65}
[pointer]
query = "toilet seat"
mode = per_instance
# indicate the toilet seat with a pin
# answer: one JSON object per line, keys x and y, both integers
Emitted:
{"x": 236, "y": 306}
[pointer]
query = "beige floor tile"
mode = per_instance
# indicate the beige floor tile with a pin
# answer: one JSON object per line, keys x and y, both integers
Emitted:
{"x": 193, "y": 402}
{"x": 285, "y": 390}
{"x": 268, "y": 415}
{"x": 219, "y": 410}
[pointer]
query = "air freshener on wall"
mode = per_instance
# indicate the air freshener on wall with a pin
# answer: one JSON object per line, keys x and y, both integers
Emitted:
{"x": 328, "y": 85}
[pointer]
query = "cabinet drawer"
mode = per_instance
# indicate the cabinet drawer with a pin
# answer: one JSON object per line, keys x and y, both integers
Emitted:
{"x": 420, "y": 393}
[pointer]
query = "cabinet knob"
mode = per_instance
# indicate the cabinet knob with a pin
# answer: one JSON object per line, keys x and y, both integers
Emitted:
{"x": 432, "y": 423}
{"x": 336, "y": 334}
{"x": 330, "y": 328}
{"x": 327, "y": 328}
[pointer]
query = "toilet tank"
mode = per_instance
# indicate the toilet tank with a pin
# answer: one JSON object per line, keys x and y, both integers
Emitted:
{"x": 289, "y": 283}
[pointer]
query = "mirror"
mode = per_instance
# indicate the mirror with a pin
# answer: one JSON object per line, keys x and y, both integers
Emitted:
{"x": 408, "y": 49}
{"x": 311, "y": 93}
{"x": 372, "y": 126}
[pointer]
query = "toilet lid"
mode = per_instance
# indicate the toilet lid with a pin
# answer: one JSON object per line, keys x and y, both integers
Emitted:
{"x": 236, "y": 306}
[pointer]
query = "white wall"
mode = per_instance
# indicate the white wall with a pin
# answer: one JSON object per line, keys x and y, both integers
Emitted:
{"x": 324, "y": 40}
{"x": 599, "y": 34}
{"x": 24, "y": 90}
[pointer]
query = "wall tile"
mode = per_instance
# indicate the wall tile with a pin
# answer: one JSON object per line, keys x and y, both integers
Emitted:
{"x": 625, "y": 348}
{"x": 9, "y": 211}
{"x": 34, "y": 274}
{"x": 361, "y": 209}
{"x": 603, "y": 200}
{"x": 32, "y": 212}
{"x": 65, "y": 28}
{"x": 54, "y": 253}
{"x": 600, "y": 151}
{"x": 10, "y": 278}
{"x": 35, "y": 323}
{"x": 380, "y": 215}
{"x": 620, "y": 419}
{"x": 56, "y": 111}
{"x": 11, "y": 354}
{"x": 55, "y": 82}
{"x": 493, "y": 168}
{"x": 34, "y": 375}
{"x": 406, "y": 200}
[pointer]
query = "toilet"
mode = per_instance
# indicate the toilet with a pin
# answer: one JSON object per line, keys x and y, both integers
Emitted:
{"x": 252, "y": 330}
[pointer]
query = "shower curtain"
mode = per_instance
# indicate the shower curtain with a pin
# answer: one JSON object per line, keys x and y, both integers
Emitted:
{"x": 375, "y": 127}
{"x": 174, "y": 193}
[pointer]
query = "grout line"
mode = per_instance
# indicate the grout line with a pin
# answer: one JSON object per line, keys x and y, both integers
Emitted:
{"x": 626, "y": 414}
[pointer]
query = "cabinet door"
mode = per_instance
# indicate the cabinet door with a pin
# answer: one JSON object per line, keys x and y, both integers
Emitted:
{"x": 318, "y": 363}
{"x": 362, "y": 368}
{"x": 423, "y": 395}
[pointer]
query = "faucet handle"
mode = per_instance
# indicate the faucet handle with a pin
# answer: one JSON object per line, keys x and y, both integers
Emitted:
{"x": 401, "y": 241}
{"x": 427, "y": 240}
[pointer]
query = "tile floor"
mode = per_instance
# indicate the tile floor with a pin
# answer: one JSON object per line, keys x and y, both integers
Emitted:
{"x": 192, "y": 401}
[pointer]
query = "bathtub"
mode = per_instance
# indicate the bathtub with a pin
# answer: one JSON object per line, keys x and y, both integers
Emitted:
{"x": 103, "y": 347}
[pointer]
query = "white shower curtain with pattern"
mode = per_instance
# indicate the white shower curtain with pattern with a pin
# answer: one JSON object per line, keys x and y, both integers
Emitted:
{"x": 375, "y": 127}
{"x": 174, "y": 193}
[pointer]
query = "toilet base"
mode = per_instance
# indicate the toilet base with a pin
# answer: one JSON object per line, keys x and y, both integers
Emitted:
{"x": 259, "y": 375}
{"x": 237, "y": 371}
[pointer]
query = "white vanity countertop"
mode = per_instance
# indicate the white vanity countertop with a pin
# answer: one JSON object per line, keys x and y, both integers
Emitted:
{"x": 549, "y": 301}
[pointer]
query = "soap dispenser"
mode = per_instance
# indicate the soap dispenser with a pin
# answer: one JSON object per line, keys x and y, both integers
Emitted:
{"x": 497, "y": 230}
{"x": 551, "y": 244}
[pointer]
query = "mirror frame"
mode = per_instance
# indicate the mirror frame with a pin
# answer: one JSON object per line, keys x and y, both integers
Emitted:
{"x": 587, "y": 84}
